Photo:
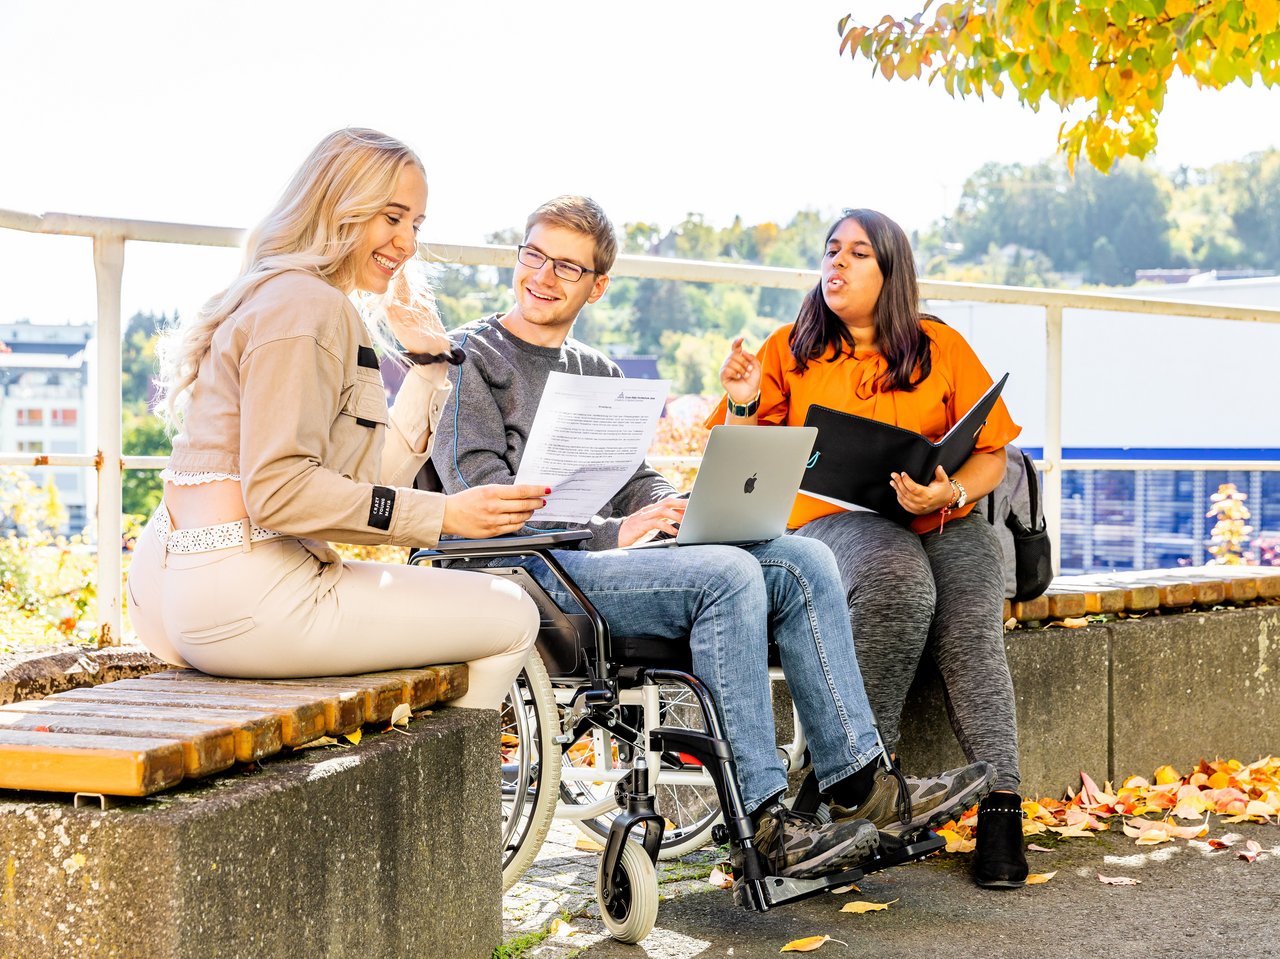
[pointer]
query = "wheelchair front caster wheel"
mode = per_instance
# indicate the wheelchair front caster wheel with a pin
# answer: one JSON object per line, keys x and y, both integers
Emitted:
{"x": 630, "y": 914}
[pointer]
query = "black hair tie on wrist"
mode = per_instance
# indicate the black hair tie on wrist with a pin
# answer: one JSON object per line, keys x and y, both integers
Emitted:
{"x": 455, "y": 357}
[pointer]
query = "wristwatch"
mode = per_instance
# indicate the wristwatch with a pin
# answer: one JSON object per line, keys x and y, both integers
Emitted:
{"x": 962, "y": 497}
{"x": 739, "y": 409}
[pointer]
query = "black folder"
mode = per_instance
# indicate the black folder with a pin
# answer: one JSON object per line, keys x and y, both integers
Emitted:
{"x": 854, "y": 455}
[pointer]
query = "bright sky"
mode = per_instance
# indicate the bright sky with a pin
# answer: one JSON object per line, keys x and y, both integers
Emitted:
{"x": 199, "y": 111}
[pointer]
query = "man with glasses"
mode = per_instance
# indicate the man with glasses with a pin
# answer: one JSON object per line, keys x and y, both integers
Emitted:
{"x": 724, "y": 600}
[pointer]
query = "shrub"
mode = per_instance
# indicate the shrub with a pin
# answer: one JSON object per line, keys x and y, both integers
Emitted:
{"x": 47, "y": 586}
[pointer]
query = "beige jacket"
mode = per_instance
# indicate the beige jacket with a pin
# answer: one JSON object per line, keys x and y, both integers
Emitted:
{"x": 290, "y": 398}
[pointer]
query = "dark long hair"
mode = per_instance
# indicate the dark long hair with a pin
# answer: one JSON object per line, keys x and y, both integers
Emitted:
{"x": 898, "y": 333}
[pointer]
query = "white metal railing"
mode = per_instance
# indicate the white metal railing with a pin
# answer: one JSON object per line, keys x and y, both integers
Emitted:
{"x": 110, "y": 236}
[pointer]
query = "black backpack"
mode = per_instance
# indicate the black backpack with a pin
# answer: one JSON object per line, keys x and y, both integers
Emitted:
{"x": 1016, "y": 511}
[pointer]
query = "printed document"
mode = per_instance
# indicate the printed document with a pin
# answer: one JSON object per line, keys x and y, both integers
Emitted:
{"x": 589, "y": 436}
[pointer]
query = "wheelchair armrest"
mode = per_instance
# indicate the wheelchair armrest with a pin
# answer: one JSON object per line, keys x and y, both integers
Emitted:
{"x": 521, "y": 545}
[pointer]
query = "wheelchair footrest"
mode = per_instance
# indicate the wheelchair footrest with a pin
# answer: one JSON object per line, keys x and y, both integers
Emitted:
{"x": 763, "y": 894}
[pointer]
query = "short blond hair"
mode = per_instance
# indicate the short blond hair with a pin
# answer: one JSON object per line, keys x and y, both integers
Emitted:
{"x": 581, "y": 214}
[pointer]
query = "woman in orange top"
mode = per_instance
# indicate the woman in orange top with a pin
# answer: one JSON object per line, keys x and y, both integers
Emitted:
{"x": 861, "y": 345}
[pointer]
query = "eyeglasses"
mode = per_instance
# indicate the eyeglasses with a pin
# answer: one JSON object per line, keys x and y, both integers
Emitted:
{"x": 533, "y": 259}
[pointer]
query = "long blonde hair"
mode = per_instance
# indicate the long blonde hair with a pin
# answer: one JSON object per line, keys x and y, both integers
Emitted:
{"x": 315, "y": 226}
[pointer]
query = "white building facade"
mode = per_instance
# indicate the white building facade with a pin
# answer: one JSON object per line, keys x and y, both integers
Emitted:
{"x": 1146, "y": 387}
{"x": 44, "y": 381}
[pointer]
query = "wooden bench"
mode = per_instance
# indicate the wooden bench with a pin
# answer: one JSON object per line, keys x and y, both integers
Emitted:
{"x": 1141, "y": 591}
{"x": 137, "y": 737}
{"x": 382, "y": 850}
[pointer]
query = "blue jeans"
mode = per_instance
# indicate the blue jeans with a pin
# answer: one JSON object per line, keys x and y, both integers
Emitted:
{"x": 726, "y": 601}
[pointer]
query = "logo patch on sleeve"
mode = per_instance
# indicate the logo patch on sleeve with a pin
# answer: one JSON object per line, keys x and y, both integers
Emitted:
{"x": 381, "y": 506}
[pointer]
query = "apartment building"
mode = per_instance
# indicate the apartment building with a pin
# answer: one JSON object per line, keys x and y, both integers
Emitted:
{"x": 44, "y": 380}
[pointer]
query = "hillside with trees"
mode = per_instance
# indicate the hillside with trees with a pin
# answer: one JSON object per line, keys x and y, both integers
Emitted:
{"x": 1015, "y": 224}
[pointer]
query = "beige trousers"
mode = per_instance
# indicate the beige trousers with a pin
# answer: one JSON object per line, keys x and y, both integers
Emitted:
{"x": 292, "y": 608}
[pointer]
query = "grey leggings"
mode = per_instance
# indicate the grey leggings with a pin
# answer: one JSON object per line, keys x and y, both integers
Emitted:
{"x": 938, "y": 592}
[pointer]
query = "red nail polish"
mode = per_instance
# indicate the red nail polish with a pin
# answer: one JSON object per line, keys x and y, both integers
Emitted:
{"x": 547, "y": 490}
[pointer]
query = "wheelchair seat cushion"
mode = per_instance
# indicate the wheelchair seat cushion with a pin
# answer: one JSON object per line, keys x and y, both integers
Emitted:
{"x": 649, "y": 651}
{"x": 669, "y": 653}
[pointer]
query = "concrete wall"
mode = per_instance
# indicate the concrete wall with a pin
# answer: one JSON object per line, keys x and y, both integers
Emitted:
{"x": 388, "y": 849}
{"x": 1123, "y": 698}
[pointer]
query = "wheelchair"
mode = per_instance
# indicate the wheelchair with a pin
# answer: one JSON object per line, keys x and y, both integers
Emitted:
{"x": 617, "y": 735}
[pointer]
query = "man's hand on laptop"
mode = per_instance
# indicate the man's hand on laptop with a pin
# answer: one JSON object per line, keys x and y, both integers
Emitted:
{"x": 494, "y": 510}
{"x": 663, "y": 516}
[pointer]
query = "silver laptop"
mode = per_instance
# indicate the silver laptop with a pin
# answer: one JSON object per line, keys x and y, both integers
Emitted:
{"x": 746, "y": 485}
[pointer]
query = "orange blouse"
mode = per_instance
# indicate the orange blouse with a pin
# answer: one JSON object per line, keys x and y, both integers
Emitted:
{"x": 955, "y": 383}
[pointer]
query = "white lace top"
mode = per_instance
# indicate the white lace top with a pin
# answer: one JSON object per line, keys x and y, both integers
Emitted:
{"x": 194, "y": 479}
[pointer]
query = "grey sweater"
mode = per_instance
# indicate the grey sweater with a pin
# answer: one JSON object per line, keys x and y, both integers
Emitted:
{"x": 482, "y": 433}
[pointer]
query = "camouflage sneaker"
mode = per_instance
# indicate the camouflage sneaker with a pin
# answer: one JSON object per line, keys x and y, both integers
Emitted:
{"x": 900, "y": 805}
{"x": 798, "y": 846}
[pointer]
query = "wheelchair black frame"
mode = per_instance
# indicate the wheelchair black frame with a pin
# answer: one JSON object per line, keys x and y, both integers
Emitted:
{"x": 753, "y": 887}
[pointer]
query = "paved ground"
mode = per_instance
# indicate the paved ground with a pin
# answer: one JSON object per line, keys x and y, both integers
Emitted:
{"x": 1193, "y": 901}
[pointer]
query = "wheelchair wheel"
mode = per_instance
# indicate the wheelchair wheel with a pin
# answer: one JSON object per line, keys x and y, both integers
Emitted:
{"x": 684, "y": 794}
{"x": 530, "y": 768}
{"x": 630, "y": 916}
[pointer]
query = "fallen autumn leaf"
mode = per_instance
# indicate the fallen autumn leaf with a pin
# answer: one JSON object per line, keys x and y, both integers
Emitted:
{"x": 1250, "y": 851}
{"x": 808, "y": 944}
{"x": 561, "y": 928}
{"x": 1119, "y": 880}
{"x": 956, "y": 842}
{"x": 861, "y": 907}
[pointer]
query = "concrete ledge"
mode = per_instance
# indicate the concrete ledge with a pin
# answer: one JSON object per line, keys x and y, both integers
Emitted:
{"x": 1061, "y": 692}
{"x": 1201, "y": 684}
{"x": 387, "y": 849}
{"x": 1124, "y": 698}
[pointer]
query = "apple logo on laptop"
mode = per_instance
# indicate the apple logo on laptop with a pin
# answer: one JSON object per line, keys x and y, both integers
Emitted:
{"x": 750, "y": 485}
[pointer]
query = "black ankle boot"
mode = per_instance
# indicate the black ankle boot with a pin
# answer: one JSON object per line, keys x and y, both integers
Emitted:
{"x": 999, "y": 860}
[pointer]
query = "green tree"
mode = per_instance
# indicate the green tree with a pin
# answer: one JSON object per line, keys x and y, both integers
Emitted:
{"x": 660, "y": 306}
{"x": 1042, "y": 208}
{"x": 143, "y": 434}
{"x": 1114, "y": 57}
{"x": 1203, "y": 233}
{"x": 1104, "y": 265}
{"x": 466, "y": 293}
{"x": 692, "y": 361}
{"x": 1252, "y": 192}
{"x": 138, "y": 356}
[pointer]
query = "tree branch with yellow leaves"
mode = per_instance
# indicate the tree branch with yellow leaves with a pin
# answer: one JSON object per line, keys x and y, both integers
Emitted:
{"x": 1114, "y": 57}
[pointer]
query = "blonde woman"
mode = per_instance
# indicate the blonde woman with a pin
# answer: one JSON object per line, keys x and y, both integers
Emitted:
{"x": 284, "y": 439}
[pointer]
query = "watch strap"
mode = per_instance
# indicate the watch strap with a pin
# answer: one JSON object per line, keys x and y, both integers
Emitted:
{"x": 743, "y": 409}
